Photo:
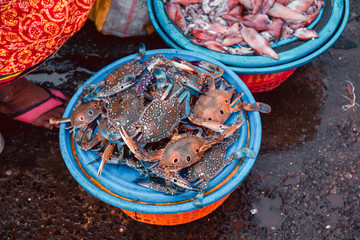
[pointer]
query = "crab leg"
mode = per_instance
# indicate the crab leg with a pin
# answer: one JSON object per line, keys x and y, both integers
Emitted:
{"x": 174, "y": 178}
{"x": 257, "y": 106}
{"x": 158, "y": 187}
{"x": 136, "y": 150}
{"x": 127, "y": 83}
{"x": 105, "y": 157}
{"x": 242, "y": 153}
{"x": 58, "y": 121}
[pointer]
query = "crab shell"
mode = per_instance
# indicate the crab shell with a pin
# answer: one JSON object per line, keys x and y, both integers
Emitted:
{"x": 183, "y": 151}
{"x": 84, "y": 114}
{"x": 125, "y": 109}
{"x": 212, "y": 161}
{"x": 159, "y": 120}
{"x": 215, "y": 105}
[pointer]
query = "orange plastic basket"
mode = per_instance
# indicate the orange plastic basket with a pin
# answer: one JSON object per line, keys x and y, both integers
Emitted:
{"x": 265, "y": 82}
{"x": 177, "y": 218}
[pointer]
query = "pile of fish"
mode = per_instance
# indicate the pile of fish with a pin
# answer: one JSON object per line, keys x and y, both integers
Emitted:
{"x": 165, "y": 118}
{"x": 243, "y": 26}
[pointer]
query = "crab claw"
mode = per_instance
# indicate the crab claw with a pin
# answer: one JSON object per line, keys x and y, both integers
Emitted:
{"x": 175, "y": 178}
{"x": 257, "y": 106}
{"x": 105, "y": 157}
{"x": 214, "y": 69}
{"x": 216, "y": 126}
{"x": 112, "y": 137}
{"x": 131, "y": 143}
{"x": 230, "y": 131}
{"x": 90, "y": 97}
{"x": 136, "y": 150}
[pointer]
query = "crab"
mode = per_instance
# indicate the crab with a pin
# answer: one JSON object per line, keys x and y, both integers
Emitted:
{"x": 215, "y": 70}
{"x": 163, "y": 114}
{"x": 122, "y": 110}
{"x": 120, "y": 79}
{"x": 182, "y": 151}
{"x": 171, "y": 68}
{"x": 213, "y": 161}
{"x": 82, "y": 116}
{"x": 213, "y": 108}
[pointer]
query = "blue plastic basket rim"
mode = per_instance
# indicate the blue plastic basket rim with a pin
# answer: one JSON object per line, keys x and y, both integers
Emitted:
{"x": 247, "y": 61}
{"x": 277, "y": 68}
{"x": 164, "y": 209}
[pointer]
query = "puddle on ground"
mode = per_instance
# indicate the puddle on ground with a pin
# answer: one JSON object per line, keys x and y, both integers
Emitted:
{"x": 336, "y": 200}
{"x": 295, "y": 109}
{"x": 268, "y": 211}
{"x": 291, "y": 180}
{"x": 56, "y": 78}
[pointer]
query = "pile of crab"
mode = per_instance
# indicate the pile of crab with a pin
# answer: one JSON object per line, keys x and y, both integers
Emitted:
{"x": 165, "y": 118}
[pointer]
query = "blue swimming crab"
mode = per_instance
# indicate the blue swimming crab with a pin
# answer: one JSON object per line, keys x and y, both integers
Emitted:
{"x": 120, "y": 79}
{"x": 162, "y": 115}
{"x": 218, "y": 102}
{"x": 123, "y": 110}
{"x": 81, "y": 117}
{"x": 182, "y": 151}
{"x": 213, "y": 161}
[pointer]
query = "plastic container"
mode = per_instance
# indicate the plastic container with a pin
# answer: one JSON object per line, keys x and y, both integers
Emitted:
{"x": 115, "y": 184}
{"x": 266, "y": 72}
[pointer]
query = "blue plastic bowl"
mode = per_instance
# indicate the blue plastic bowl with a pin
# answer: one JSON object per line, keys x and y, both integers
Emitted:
{"x": 115, "y": 184}
{"x": 270, "y": 69}
{"x": 168, "y": 31}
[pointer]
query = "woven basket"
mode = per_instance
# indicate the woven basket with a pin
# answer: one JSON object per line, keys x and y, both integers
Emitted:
{"x": 265, "y": 82}
{"x": 177, "y": 218}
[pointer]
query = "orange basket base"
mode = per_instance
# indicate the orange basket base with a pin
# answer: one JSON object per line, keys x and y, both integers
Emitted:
{"x": 265, "y": 82}
{"x": 176, "y": 218}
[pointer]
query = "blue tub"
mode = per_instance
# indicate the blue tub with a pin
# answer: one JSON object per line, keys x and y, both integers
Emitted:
{"x": 333, "y": 18}
{"x": 115, "y": 184}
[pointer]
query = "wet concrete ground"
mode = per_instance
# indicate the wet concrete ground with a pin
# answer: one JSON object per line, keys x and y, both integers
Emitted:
{"x": 305, "y": 183}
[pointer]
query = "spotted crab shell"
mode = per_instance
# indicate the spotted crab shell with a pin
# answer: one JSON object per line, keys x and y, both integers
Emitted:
{"x": 159, "y": 120}
{"x": 182, "y": 152}
{"x": 125, "y": 108}
{"x": 214, "y": 106}
{"x": 84, "y": 114}
{"x": 212, "y": 161}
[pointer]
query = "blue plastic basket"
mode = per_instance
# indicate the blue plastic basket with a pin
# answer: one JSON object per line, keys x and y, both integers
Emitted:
{"x": 260, "y": 79}
{"x": 115, "y": 185}
{"x": 305, "y": 48}
{"x": 169, "y": 31}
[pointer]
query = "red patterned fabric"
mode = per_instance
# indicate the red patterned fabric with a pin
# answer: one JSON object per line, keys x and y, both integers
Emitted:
{"x": 31, "y": 30}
